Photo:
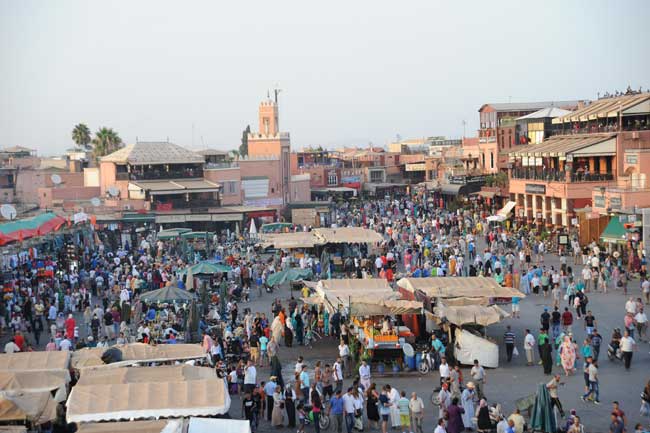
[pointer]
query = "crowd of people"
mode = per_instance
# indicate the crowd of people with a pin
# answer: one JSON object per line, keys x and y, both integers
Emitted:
{"x": 96, "y": 302}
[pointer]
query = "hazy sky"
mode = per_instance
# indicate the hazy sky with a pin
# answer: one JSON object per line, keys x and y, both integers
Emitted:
{"x": 351, "y": 71}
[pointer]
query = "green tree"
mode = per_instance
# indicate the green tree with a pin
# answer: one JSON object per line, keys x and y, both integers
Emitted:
{"x": 243, "y": 148}
{"x": 106, "y": 141}
{"x": 81, "y": 136}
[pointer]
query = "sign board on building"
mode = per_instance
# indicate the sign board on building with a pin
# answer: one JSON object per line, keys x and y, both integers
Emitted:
{"x": 200, "y": 217}
{"x": 574, "y": 221}
{"x": 418, "y": 166}
{"x": 535, "y": 188}
{"x": 273, "y": 201}
{"x": 462, "y": 180}
{"x": 615, "y": 202}
{"x": 227, "y": 217}
{"x": 350, "y": 179}
{"x": 599, "y": 201}
{"x": 563, "y": 240}
{"x": 160, "y": 219}
{"x": 632, "y": 159}
{"x": 305, "y": 217}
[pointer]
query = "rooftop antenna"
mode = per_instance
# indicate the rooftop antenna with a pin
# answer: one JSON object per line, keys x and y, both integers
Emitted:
{"x": 8, "y": 212}
{"x": 276, "y": 92}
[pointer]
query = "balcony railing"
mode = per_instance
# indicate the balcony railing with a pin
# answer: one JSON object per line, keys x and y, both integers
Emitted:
{"x": 221, "y": 165}
{"x": 587, "y": 177}
{"x": 559, "y": 176}
{"x": 545, "y": 175}
{"x": 569, "y": 130}
{"x": 164, "y": 174}
{"x": 194, "y": 204}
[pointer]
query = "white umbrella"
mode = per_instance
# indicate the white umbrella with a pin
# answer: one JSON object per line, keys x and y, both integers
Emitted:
{"x": 253, "y": 229}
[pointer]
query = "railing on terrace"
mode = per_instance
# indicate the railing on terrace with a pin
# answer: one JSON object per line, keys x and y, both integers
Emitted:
{"x": 559, "y": 176}
{"x": 183, "y": 204}
{"x": 172, "y": 174}
{"x": 595, "y": 177}
{"x": 546, "y": 175}
{"x": 596, "y": 129}
{"x": 221, "y": 165}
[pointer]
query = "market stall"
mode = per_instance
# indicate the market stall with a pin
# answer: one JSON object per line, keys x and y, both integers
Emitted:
{"x": 136, "y": 353}
{"x": 56, "y": 363}
{"x": 161, "y": 373}
{"x": 132, "y": 401}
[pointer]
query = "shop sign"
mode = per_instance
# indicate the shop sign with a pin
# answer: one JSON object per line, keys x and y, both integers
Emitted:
{"x": 420, "y": 166}
{"x": 632, "y": 159}
{"x": 615, "y": 202}
{"x": 203, "y": 217}
{"x": 535, "y": 188}
{"x": 599, "y": 201}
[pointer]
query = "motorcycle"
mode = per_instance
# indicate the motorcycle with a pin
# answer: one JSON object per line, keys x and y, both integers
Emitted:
{"x": 614, "y": 353}
{"x": 428, "y": 362}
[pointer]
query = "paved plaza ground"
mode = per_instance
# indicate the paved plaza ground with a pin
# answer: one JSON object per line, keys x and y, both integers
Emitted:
{"x": 515, "y": 380}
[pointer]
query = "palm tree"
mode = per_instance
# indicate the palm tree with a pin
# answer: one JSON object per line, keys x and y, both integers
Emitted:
{"x": 234, "y": 154}
{"x": 106, "y": 141}
{"x": 81, "y": 136}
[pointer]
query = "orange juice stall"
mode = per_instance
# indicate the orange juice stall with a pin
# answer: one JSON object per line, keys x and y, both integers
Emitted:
{"x": 374, "y": 309}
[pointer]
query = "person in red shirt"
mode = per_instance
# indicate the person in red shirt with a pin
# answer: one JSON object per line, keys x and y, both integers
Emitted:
{"x": 19, "y": 340}
{"x": 70, "y": 324}
{"x": 389, "y": 275}
{"x": 567, "y": 320}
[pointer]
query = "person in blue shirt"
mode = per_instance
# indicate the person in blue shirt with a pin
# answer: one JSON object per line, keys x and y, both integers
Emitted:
{"x": 336, "y": 409}
{"x": 304, "y": 384}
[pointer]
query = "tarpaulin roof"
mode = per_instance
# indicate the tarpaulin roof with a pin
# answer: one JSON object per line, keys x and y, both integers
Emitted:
{"x": 289, "y": 240}
{"x": 163, "y": 373}
{"x": 345, "y": 291}
{"x": 12, "y": 383}
{"x": 160, "y": 426}
{"x": 36, "y": 362}
{"x": 210, "y": 425}
{"x": 454, "y": 287}
{"x": 95, "y": 403}
{"x": 38, "y": 407}
{"x": 168, "y": 295}
{"x": 345, "y": 235}
{"x": 30, "y": 227}
{"x": 291, "y": 274}
{"x": 387, "y": 307}
{"x": 471, "y": 314}
{"x": 136, "y": 353}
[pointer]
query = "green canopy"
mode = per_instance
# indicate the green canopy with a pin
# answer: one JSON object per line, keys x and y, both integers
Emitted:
{"x": 291, "y": 274}
{"x": 171, "y": 233}
{"x": 274, "y": 227}
{"x": 207, "y": 268}
{"x": 167, "y": 295}
{"x": 615, "y": 232}
{"x": 197, "y": 235}
{"x": 543, "y": 419}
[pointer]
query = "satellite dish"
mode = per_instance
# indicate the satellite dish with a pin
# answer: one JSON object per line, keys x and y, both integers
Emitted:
{"x": 56, "y": 179}
{"x": 408, "y": 350}
{"x": 113, "y": 191}
{"x": 8, "y": 212}
{"x": 95, "y": 201}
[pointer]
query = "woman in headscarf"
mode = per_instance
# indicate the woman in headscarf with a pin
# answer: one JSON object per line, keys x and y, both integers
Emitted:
{"x": 483, "y": 421}
{"x": 288, "y": 332}
{"x": 467, "y": 401}
{"x": 455, "y": 414}
{"x": 277, "y": 415}
{"x": 276, "y": 328}
{"x": 444, "y": 400}
{"x": 568, "y": 355}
